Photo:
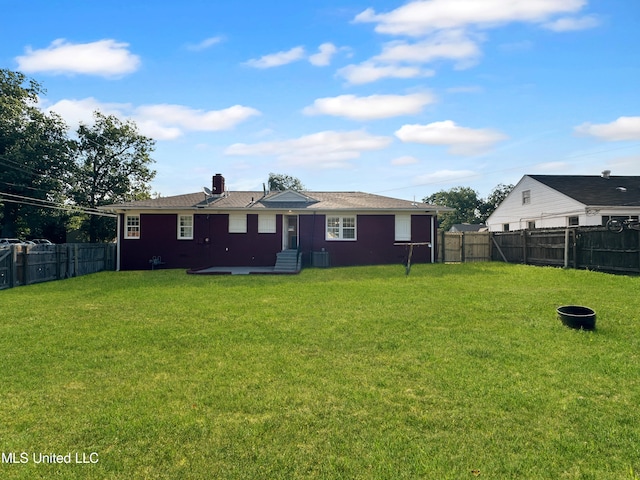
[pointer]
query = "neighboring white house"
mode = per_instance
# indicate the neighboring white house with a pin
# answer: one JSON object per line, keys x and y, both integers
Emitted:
{"x": 549, "y": 201}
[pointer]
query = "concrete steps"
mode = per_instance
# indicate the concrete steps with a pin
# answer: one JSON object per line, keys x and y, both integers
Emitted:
{"x": 286, "y": 261}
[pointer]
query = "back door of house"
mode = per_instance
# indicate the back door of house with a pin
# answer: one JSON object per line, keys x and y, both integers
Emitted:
{"x": 290, "y": 239}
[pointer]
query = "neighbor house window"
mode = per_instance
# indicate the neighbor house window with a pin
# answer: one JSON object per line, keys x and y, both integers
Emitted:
{"x": 185, "y": 227}
{"x": 505, "y": 227}
{"x": 574, "y": 221}
{"x": 526, "y": 197}
{"x": 238, "y": 223}
{"x": 132, "y": 229}
{"x": 403, "y": 228}
{"x": 341, "y": 228}
{"x": 266, "y": 223}
{"x": 531, "y": 225}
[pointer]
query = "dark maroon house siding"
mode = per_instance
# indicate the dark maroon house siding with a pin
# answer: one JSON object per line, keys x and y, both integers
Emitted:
{"x": 213, "y": 245}
{"x": 375, "y": 241}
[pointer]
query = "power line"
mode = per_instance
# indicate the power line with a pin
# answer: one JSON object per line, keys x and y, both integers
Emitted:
{"x": 37, "y": 202}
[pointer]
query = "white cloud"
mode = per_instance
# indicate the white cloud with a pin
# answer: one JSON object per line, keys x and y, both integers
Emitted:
{"x": 444, "y": 176}
{"x": 460, "y": 140}
{"x": 75, "y": 112}
{"x": 328, "y": 149}
{"x": 373, "y": 107}
{"x": 624, "y": 128}
{"x": 195, "y": 120}
{"x": 326, "y": 51}
{"x": 278, "y": 59}
{"x": 369, "y": 71}
{"x": 404, "y": 160}
{"x": 161, "y": 122}
{"x": 569, "y": 24}
{"x": 106, "y": 58}
{"x": 206, "y": 43}
{"x": 421, "y": 17}
{"x": 447, "y": 45}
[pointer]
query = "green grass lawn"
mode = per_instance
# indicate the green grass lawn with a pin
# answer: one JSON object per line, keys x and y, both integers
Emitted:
{"x": 453, "y": 372}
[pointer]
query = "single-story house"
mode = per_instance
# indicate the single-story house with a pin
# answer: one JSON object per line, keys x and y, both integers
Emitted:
{"x": 467, "y": 227}
{"x": 220, "y": 228}
{"x": 551, "y": 201}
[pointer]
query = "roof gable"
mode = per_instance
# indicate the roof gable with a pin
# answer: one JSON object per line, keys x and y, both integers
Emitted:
{"x": 288, "y": 197}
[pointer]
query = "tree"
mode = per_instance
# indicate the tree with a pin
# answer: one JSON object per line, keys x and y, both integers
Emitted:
{"x": 279, "y": 182}
{"x": 35, "y": 156}
{"x": 113, "y": 165}
{"x": 464, "y": 199}
{"x": 495, "y": 198}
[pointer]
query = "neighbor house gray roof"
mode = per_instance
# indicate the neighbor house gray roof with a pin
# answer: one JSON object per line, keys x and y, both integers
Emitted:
{"x": 318, "y": 201}
{"x": 595, "y": 190}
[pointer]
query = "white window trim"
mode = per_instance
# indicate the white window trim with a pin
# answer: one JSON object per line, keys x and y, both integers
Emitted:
{"x": 341, "y": 227}
{"x": 237, "y": 223}
{"x": 403, "y": 228}
{"x": 526, "y": 197}
{"x": 129, "y": 228}
{"x": 266, "y": 223}
{"x": 190, "y": 226}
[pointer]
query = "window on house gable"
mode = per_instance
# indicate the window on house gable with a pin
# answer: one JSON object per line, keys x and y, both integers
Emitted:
{"x": 341, "y": 228}
{"x": 238, "y": 223}
{"x": 403, "y": 228}
{"x": 132, "y": 228}
{"x": 185, "y": 227}
{"x": 526, "y": 197}
{"x": 266, "y": 223}
{"x": 505, "y": 227}
{"x": 574, "y": 221}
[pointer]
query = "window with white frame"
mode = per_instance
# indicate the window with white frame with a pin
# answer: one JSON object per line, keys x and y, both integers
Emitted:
{"x": 341, "y": 228}
{"x": 574, "y": 221}
{"x": 132, "y": 226}
{"x": 403, "y": 228}
{"x": 526, "y": 197}
{"x": 185, "y": 227}
{"x": 266, "y": 223}
{"x": 237, "y": 223}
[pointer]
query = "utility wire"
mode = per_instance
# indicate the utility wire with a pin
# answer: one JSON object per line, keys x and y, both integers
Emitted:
{"x": 37, "y": 202}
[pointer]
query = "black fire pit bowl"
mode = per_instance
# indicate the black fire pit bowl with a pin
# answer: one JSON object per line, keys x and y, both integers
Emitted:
{"x": 575, "y": 316}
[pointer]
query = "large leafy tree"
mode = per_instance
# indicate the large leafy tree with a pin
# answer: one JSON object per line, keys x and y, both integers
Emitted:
{"x": 469, "y": 207}
{"x": 35, "y": 157}
{"x": 464, "y": 199}
{"x": 279, "y": 182}
{"x": 113, "y": 165}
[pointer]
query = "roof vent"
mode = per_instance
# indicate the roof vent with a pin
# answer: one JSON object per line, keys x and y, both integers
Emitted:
{"x": 606, "y": 173}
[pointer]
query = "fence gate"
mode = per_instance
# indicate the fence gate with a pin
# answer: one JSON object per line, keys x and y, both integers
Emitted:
{"x": 465, "y": 247}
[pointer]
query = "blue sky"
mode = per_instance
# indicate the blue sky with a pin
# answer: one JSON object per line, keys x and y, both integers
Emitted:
{"x": 398, "y": 98}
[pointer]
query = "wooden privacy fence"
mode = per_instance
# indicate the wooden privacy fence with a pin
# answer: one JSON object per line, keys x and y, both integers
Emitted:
{"x": 592, "y": 248}
{"x": 29, "y": 264}
{"x": 464, "y": 247}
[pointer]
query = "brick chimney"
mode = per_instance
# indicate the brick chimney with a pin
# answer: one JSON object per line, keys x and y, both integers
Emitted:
{"x": 218, "y": 184}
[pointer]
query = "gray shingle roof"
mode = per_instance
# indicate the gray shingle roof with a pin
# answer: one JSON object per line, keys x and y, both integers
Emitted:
{"x": 595, "y": 190}
{"x": 258, "y": 201}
